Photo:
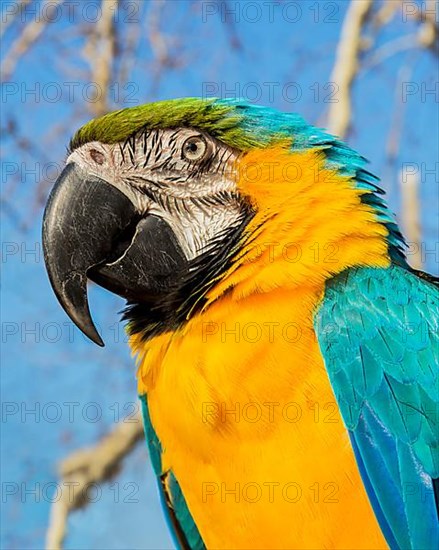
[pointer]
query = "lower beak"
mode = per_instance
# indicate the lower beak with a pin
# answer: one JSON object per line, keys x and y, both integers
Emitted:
{"x": 92, "y": 230}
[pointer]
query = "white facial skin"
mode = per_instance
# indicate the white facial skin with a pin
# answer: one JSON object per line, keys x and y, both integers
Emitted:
{"x": 183, "y": 175}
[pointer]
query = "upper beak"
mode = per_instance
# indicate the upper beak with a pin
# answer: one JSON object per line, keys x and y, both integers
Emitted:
{"x": 92, "y": 230}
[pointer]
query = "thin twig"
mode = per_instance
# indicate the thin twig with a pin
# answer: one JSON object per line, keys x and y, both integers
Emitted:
{"x": 19, "y": 9}
{"x": 397, "y": 123}
{"x": 391, "y": 48}
{"x": 346, "y": 65}
{"x": 230, "y": 24}
{"x": 385, "y": 14}
{"x": 166, "y": 51}
{"x": 128, "y": 51}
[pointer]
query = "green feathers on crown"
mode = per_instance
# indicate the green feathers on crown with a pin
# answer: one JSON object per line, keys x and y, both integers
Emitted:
{"x": 219, "y": 119}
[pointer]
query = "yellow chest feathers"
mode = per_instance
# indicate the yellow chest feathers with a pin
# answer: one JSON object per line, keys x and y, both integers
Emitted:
{"x": 239, "y": 395}
{"x": 309, "y": 224}
{"x": 248, "y": 423}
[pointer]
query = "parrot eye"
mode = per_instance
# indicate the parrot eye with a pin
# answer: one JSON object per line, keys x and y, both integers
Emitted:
{"x": 194, "y": 148}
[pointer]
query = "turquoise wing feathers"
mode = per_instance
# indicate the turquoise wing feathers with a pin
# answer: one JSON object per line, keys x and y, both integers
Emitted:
{"x": 378, "y": 331}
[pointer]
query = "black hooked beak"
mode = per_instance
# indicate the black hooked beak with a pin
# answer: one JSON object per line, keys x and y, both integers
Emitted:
{"x": 92, "y": 230}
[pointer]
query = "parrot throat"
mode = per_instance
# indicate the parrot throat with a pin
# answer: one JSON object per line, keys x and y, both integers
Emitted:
{"x": 189, "y": 295}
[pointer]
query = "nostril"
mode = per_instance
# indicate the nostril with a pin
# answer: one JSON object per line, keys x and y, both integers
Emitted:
{"x": 97, "y": 156}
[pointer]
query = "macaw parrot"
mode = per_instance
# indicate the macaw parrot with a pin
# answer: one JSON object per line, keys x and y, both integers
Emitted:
{"x": 287, "y": 353}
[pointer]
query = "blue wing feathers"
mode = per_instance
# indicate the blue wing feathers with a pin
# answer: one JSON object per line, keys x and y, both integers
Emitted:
{"x": 418, "y": 501}
{"x": 381, "y": 354}
{"x": 390, "y": 510}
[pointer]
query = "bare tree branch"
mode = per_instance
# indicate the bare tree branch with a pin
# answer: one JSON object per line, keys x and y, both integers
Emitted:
{"x": 99, "y": 52}
{"x": 128, "y": 53}
{"x": 409, "y": 184}
{"x": 346, "y": 65}
{"x": 89, "y": 466}
{"x": 26, "y": 39}
{"x": 20, "y": 9}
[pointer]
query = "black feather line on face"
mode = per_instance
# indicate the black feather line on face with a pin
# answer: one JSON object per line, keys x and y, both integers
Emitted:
{"x": 188, "y": 296}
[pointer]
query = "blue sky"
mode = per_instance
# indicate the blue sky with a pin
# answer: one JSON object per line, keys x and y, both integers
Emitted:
{"x": 277, "y": 53}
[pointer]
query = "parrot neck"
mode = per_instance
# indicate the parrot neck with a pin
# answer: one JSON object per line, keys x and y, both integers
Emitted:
{"x": 311, "y": 223}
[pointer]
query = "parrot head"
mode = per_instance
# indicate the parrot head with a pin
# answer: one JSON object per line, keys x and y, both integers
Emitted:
{"x": 158, "y": 202}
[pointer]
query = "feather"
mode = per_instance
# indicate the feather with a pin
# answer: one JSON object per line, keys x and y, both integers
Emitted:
{"x": 393, "y": 424}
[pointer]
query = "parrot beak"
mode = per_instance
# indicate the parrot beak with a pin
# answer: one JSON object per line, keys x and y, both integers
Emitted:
{"x": 92, "y": 230}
